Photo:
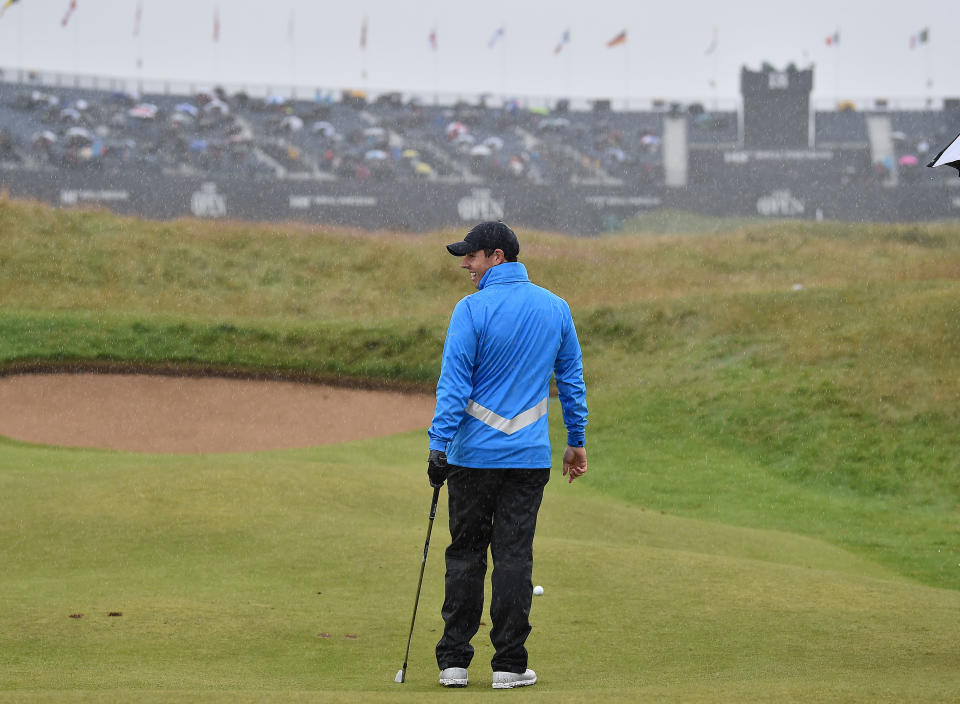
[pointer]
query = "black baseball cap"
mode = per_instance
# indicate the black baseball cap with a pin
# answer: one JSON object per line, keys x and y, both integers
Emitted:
{"x": 488, "y": 235}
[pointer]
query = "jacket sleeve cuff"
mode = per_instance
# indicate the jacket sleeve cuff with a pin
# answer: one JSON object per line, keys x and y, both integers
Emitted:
{"x": 576, "y": 439}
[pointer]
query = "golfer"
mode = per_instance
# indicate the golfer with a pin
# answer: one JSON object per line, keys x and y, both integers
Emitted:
{"x": 489, "y": 441}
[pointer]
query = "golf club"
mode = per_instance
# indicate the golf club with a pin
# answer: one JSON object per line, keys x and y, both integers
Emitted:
{"x": 402, "y": 673}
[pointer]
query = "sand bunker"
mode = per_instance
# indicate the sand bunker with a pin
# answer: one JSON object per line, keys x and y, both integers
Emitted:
{"x": 184, "y": 414}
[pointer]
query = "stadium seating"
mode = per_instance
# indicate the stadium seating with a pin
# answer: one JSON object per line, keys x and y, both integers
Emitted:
{"x": 586, "y": 168}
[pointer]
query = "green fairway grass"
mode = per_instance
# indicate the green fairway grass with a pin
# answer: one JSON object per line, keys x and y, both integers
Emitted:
{"x": 772, "y": 511}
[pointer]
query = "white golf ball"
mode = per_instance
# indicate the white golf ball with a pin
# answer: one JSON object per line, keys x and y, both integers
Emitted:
{"x": 538, "y": 590}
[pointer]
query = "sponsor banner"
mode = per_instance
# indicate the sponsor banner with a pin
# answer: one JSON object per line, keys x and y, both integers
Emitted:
{"x": 426, "y": 206}
{"x": 480, "y": 205}
{"x": 301, "y": 202}
{"x": 207, "y": 203}
{"x": 86, "y": 196}
{"x": 780, "y": 204}
{"x": 745, "y": 157}
{"x": 625, "y": 201}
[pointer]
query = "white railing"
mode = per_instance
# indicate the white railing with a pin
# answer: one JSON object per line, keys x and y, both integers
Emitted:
{"x": 154, "y": 86}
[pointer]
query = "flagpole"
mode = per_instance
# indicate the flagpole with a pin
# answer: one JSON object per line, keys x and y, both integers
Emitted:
{"x": 836, "y": 70}
{"x": 216, "y": 43}
{"x": 139, "y": 63}
{"x": 434, "y": 48}
{"x": 291, "y": 37}
{"x": 503, "y": 63}
{"x": 139, "y": 20}
{"x": 363, "y": 54}
{"x": 626, "y": 76}
{"x": 23, "y": 71}
{"x": 76, "y": 40}
{"x": 716, "y": 68}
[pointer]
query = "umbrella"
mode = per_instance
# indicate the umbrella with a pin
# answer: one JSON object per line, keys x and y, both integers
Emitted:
{"x": 375, "y": 155}
{"x": 38, "y": 97}
{"x": 455, "y": 129}
{"x": 198, "y": 145}
{"x": 78, "y": 132}
{"x": 70, "y": 114}
{"x": 423, "y": 169}
{"x": 949, "y": 156}
{"x": 908, "y": 160}
{"x": 480, "y": 150}
{"x": 465, "y": 138}
{"x": 292, "y": 123}
{"x": 495, "y": 143}
{"x": 615, "y": 154}
{"x": 217, "y": 106}
{"x": 275, "y": 100}
{"x": 77, "y": 136}
{"x": 143, "y": 111}
{"x": 410, "y": 154}
{"x": 45, "y": 136}
{"x": 187, "y": 108}
{"x": 553, "y": 123}
{"x": 323, "y": 127}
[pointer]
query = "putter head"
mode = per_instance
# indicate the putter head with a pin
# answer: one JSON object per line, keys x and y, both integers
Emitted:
{"x": 399, "y": 677}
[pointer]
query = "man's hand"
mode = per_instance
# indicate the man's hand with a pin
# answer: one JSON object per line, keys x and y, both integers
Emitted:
{"x": 574, "y": 462}
{"x": 437, "y": 468}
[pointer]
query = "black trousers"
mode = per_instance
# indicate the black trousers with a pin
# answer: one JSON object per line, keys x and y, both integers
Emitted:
{"x": 495, "y": 508}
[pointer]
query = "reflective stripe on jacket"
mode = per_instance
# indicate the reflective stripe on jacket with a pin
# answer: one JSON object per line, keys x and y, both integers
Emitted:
{"x": 503, "y": 344}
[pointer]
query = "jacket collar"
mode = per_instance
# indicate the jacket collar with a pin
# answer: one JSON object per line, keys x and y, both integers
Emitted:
{"x": 506, "y": 273}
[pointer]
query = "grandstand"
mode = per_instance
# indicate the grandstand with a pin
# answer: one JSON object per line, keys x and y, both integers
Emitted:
{"x": 397, "y": 162}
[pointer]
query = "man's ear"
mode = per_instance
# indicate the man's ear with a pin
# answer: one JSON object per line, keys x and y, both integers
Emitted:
{"x": 503, "y": 257}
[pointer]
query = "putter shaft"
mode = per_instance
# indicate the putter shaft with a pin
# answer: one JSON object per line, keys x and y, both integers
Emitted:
{"x": 426, "y": 547}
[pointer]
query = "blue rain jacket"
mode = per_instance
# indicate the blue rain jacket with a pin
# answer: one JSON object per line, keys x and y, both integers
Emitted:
{"x": 503, "y": 344}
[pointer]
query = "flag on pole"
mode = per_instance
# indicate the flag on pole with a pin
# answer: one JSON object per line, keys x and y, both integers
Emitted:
{"x": 216, "y": 23}
{"x": 833, "y": 39}
{"x": 564, "y": 40}
{"x": 136, "y": 19}
{"x": 432, "y": 38}
{"x": 497, "y": 36}
{"x": 712, "y": 47}
{"x": 363, "y": 33}
{"x": 921, "y": 37}
{"x": 70, "y": 8}
{"x": 7, "y": 4}
{"x": 618, "y": 40}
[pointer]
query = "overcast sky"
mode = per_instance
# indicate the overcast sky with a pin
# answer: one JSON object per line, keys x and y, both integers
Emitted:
{"x": 685, "y": 49}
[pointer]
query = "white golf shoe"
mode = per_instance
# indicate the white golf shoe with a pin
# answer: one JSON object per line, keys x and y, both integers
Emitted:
{"x": 509, "y": 680}
{"x": 453, "y": 677}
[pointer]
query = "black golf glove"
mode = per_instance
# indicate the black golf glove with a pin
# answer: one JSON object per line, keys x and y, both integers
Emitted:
{"x": 437, "y": 468}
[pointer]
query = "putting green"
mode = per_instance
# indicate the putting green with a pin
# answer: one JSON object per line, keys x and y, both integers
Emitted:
{"x": 288, "y": 576}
